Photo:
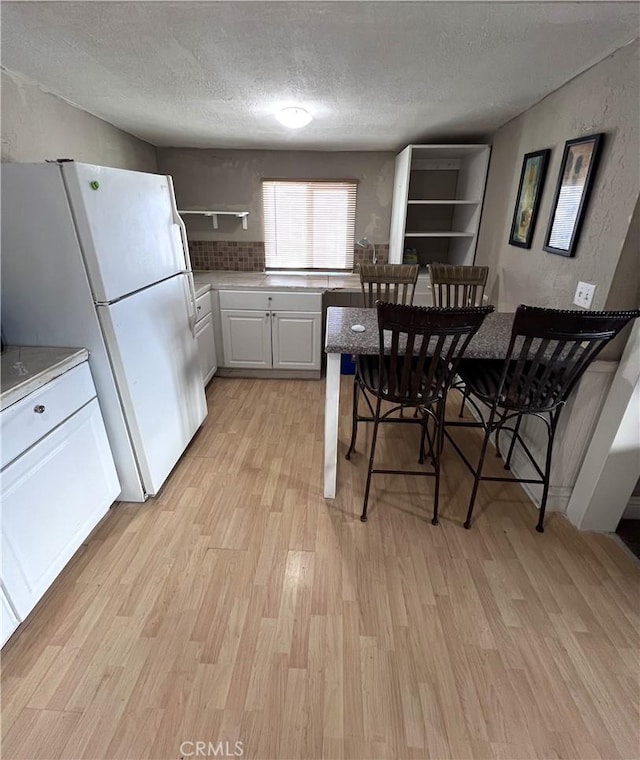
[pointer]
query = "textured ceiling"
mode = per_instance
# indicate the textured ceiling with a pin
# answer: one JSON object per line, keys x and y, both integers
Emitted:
{"x": 374, "y": 75}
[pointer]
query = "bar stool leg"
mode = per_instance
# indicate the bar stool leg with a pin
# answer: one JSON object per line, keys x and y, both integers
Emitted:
{"x": 426, "y": 436}
{"x": 507, "y": 464}
{"x": 547, "y": 472}
{"x": 465, "y": 395}
{"x": 439, "y": 445}
{"x": 374, "y": 437}
{"x": 478, "y": 474}
{"x": 354, "y": 417}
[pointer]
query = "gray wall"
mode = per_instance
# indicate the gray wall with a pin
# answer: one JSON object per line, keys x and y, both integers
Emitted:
{"x": 602, "y": 99}
{"x": 37, "y": 126}
{"x": 231, "y": 180}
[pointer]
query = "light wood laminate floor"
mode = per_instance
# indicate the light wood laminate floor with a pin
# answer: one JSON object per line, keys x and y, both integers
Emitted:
{"x": 242, "y": 606}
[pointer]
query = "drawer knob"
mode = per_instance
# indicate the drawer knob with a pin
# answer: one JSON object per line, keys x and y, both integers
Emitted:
{"x": 199, "y": 308}
{"x": 39, "y": 408}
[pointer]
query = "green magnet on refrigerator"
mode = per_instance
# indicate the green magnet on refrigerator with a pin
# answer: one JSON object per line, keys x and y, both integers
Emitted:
{"x": 94, "y": 185}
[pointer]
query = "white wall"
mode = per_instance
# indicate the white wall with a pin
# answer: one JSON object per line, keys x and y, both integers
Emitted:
{"x": 37, "y": 126}
{"x": 232, "y": 180}
{"x": 603, "y": 99}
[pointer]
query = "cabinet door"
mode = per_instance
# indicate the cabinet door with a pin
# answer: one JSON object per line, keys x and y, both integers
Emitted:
{"x": 296, "y": 339}
{"x": 206, "y": 348}
{"x": 246, "y": 338}
{"x": 52, "y": 498}
{"x": 9, "y": 620}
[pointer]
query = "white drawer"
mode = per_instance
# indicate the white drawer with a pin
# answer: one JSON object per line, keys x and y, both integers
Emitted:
{"x": 311, "y": 302}
{"x": 268, "y": 300}
{"x": 245, "y": 299}
{"x": 22, "y": 425}
{"x": 203, "y": 305}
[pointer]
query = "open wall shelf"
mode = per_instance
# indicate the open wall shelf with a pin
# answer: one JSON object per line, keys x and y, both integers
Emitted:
{"x": 215, "y": 214}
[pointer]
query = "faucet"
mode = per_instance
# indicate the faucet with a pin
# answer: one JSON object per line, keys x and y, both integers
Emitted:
{"x": 365, "y": 243}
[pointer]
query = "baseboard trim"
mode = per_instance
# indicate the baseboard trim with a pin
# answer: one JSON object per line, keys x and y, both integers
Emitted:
{"x": 269, "y": 374}
{"x": 558, "y": 496}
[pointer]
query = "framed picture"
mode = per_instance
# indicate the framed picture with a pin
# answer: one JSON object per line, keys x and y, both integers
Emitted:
{"x": 577, "y": 170}
{"x": 534, "y": 169}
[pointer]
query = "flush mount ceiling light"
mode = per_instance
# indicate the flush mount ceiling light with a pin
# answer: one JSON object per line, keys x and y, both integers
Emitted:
{"x": 293, "y": 117}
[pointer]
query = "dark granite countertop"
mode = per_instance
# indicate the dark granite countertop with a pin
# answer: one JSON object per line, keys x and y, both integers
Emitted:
{"x": 490, "y": 342}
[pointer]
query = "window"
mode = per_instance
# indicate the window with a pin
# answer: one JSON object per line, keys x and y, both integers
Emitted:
{"x": 309, "y": 225}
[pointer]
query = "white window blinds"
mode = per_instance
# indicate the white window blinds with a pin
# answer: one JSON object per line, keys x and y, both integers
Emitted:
{"x": 309, "y": 225}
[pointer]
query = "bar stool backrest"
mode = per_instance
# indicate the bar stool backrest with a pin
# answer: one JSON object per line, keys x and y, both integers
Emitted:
{"x": 394, "y": 283}
{"x": 453, "y": 285}
{"x": 549, "y": 351}
{"x": 427, "y": 344}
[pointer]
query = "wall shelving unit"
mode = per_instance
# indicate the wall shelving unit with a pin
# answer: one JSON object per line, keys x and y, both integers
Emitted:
{"x": 437, "y": 201}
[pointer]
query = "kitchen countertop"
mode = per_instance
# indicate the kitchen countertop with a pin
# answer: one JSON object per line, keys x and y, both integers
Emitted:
{"x": 26, "y": 368}
{"x": 490, "y": 342}
{"x": 223, "y": 280}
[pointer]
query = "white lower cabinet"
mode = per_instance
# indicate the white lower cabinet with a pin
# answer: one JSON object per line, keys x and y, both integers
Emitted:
{"x": 53, "y": 494}
{"x": 205, "y": 337}
{"x": 246, "y": 337}
{"x": 296, "y": 340}
{"x": 206, "y": 348}
{"x": 269, "y": 330}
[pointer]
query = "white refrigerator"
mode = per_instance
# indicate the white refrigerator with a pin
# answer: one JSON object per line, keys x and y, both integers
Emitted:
{"x": 97, "y": 257}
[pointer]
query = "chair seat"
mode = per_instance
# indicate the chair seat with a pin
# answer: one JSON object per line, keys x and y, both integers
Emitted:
{"x": 482, "y": 378}
{"x": 368, "y": 368}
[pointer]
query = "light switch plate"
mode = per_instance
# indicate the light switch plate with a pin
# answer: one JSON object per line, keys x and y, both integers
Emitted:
{"x": 584, "y": 294}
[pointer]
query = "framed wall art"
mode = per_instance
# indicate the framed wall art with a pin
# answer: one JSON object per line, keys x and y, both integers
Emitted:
{"x": 577, "y": 171}
{"x": 534, "y": 169}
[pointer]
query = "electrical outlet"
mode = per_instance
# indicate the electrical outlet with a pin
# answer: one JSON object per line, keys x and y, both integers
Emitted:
{"x": 584, "y": 294}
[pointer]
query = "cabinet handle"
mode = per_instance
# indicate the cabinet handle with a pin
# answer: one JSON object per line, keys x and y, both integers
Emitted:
{"x": 273, "y": 314}
{"x": 266, "y": 314}
{"x": 39, "y": 408}
{"x": 199, "y": 308}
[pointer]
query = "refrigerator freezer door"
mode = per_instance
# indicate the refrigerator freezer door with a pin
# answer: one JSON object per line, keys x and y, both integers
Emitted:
{"x": 155, "y": 363}
{"x": 126, "y": 227}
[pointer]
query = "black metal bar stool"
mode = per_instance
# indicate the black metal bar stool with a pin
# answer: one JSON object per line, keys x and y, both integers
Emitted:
{"x": 548, "y": 353}
{"x": 426, "y": 345}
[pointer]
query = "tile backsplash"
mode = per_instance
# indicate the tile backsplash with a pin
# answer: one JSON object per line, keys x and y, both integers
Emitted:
{"x": 249, "y": 257}
{"x": 227, "y": 254}
{"x": 360, "y": 255}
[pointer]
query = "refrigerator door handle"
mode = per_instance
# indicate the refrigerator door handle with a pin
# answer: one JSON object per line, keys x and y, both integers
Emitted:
{"x": 192, "y": 303}
{"x": 187, "y": 259}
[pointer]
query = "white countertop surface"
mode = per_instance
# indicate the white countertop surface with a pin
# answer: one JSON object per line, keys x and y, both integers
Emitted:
{"x": 222, "y": 280}
{"x": 25, "y": 369}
